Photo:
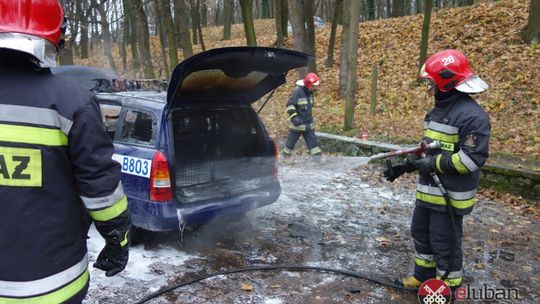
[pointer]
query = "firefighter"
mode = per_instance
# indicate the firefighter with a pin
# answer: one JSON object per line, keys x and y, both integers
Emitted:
{"x": 463, "y": 128}
{"x": 56, "y": 171}
{"x": 300, "y": 112}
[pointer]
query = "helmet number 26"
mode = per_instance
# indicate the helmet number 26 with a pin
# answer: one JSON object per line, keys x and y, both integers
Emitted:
{"x": 448, "y": 60}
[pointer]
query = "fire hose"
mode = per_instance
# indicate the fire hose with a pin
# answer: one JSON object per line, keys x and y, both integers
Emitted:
{"x": 420, "y": 151}
{"x": 276, "y": 267}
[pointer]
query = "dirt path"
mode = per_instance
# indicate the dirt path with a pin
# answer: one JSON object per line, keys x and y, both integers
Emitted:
{"x": 329, "y": 215}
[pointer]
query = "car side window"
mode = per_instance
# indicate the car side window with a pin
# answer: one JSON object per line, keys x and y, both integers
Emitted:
{"x": 138, "y": 127}
{"x": 110, "y": 113}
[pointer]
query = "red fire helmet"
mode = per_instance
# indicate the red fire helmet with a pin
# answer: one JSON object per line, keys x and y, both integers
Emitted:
{"x": 450, "y": 69}
{"x": 310, "y": 80}
{"x": 34, "y": 27}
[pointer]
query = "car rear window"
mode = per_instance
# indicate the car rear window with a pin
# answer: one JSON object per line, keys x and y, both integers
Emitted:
{"x": 138, "y": 127}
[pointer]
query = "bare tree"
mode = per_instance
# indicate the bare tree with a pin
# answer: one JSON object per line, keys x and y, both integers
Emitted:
{"x": 247, "y": 19}
{"x": 428, "y": 5}
{"x": 331, "y": 44}
{"x": 531, "y": 34}
{"x": 227, "y": 18}
{"x": 106, "y": 33}
{"x": 350, "y": 95}
{"x": 298, "y": 30}
{"x": 279, "y": 24}
{"x": 161, "y": 31}
{"x": 344, "y": 57}
{"x": 310, "y": 35}
{"x": 169, "y": 28}
{"x": 141, "y": 24}
{"x": 180, "y": 9}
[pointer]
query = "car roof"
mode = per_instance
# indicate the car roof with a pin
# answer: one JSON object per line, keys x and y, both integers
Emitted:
{"x": 84, "y": 75}
{"x": 154, "y": 99}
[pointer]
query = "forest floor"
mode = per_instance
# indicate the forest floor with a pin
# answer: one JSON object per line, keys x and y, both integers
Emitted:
{"x": 488, "y": 33}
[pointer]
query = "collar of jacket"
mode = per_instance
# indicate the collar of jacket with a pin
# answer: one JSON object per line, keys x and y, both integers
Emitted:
{"x": 445, "y": 99}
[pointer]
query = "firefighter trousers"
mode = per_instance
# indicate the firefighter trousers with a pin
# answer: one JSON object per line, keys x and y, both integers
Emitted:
{"x": 432, "y": 234}
{"x": 310, "y": 138}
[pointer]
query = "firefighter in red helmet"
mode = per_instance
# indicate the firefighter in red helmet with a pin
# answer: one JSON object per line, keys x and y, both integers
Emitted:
{"x": 463, "y": 128}
{"x": 300, "y": 112}
{"x": 54, "y": 181}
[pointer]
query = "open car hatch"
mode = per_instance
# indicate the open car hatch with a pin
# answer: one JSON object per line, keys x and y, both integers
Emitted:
{"x": 231, "y": 75}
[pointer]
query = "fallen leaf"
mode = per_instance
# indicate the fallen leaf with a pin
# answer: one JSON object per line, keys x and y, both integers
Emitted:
{"x": 480, "y": 266}
{"x": 382, "y": 241}
{"x": 247, "y": 287}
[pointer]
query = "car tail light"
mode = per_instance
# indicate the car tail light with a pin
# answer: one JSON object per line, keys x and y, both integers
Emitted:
{"x": 276, "y": 160}
{"x": 160, "y": 179}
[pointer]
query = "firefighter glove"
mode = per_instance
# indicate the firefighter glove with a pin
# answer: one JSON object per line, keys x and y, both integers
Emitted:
{"x": 114, "y": 256}
{"x": 296, "y": 121}
{"x": 398, "y": 170}
{"x": 425, "y": 165}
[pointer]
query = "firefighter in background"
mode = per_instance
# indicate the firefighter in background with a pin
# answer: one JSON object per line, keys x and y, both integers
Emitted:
{"x": 462, "y": 127}
{"x": 56, "y": 171}
{"x": 300, "y": 112}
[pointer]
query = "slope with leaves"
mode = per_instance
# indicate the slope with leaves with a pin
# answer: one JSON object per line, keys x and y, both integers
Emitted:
{"x": 488, "y": 33}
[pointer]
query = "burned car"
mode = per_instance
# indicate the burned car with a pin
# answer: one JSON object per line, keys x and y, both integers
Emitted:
{"x": 199, "y": 151}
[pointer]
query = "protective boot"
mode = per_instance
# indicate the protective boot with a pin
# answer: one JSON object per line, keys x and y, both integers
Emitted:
{"x": 409, "y": 282}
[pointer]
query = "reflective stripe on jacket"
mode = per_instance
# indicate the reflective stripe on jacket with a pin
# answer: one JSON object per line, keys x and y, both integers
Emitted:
{"x": 462, "y": 127}
{"x": 56, "y": 175}
{"x": 300, "y": 105}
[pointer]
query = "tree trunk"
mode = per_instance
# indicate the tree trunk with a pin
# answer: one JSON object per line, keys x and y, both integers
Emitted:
{"x": 181, "y": 14}
{"x": 144, "y": 37}
{"x": 398, "y": 8}
{"x": 198, "y": 23}
{"x": 331, "y": 44}
{"x": 531, "y": 34}
{"x": 279, "y": 30}
{"x": 428, "y": 5}
{"x": 350, "y": 96}
{"x": 132, "y": 35}
{"x": 298, "y": 30}
{"x": 217, "y": 19}
{"x": 370, "y": 9}
{"x": 83, "y": 42}
{"x": 203, "y": 11}
{"x": 169, "y": 28}
{"x": 343, "y": 76}
{"x": 418, "y": 6}
{"x": 265, "y": 9}
{"x": 247, "y": 19}
{"x": 310, "y": 35}
{"x": 284, "y": 17}
{"x": 107, "y": 47}
{"x": 227, "y": 19}
{"x": 161, "y": 31}
{"x": 194, "y": 28}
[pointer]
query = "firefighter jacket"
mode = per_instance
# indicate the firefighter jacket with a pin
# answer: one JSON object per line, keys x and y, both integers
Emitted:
{"x": 299, "y": 109}
{"x": 56, "y": 176}
{"x": 462, "y": 127}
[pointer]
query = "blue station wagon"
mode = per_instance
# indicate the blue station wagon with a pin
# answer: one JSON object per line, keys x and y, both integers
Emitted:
{"x": 198, "y": 151}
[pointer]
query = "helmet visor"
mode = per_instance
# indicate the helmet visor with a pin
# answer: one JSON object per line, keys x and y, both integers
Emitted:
{"x": 43, "y": 50}
{"x": 472, "y": 85}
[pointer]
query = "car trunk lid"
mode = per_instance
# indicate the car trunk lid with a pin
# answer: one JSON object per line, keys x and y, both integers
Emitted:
{"x": 231, "y": 75}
